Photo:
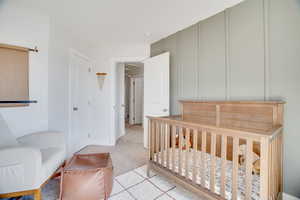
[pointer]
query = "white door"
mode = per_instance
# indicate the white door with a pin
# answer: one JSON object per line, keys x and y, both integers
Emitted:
{"x": 120, "y": 100}
{"x": 156, "y": 89}
{"x": 136, "y": 100}
{"x": 80, "y": 129}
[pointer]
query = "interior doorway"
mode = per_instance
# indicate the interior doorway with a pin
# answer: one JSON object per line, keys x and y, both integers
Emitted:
{"x": 156, "y": 93}
{"x": 129, "y": 103}
{"x": 134, "y": 94}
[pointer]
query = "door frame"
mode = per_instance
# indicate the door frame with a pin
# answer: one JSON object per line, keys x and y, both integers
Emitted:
{"x": 132, "y": 109}
{"x": 114, "y": 63}
{"x": 73, "y": 52}
{"x": 120, "y": 99}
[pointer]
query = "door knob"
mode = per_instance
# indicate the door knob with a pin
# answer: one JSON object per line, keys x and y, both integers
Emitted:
{"x": 75, "y": 108}
{"x": 165, "y": 110}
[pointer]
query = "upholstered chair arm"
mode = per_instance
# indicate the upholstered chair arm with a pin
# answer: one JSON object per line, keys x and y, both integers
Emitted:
{"x": 20, "y": 168}
{"x": 42, "y": 140}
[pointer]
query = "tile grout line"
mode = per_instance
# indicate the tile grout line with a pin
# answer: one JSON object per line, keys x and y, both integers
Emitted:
{"x": 145, "y": 179}
{"x": 119, "y": 191}
{"x": 126, "y": 189}
{"x": 163, "y": 192}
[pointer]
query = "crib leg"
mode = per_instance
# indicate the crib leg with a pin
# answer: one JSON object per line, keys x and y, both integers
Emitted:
{"x": 148, "y": 171}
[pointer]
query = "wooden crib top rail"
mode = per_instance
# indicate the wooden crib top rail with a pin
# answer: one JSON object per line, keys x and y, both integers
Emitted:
{"x": 255, "y": 134}
{"x": 234, "y": 102}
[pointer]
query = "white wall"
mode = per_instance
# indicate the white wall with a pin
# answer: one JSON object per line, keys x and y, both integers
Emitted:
{"x": 28, "y": 29}
{"x": 102, "y": 100}
{"x": 103, "y": 113}
{"x": 26, "y": 26}
{"x": 58, "y": 80}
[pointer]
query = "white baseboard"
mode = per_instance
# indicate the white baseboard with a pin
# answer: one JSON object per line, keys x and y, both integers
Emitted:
{"x": 289, "y": 197}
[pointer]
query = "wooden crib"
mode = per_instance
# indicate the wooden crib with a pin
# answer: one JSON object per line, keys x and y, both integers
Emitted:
{"x": 201, "y": 148}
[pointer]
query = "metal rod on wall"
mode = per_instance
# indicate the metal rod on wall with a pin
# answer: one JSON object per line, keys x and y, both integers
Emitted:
{"x": 8, "y": 46}
{"x": 24, "y": 101}
{"x": 34, "y": 50}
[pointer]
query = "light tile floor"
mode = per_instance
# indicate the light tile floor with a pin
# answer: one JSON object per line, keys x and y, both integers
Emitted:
{"x": 135, "y": 185}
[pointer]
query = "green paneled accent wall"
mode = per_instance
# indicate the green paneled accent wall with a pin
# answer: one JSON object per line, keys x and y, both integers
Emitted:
{"x": 250, "y": 51}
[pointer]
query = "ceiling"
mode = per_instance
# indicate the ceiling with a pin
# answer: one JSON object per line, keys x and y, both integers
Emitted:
{"x": 98, "y": 22}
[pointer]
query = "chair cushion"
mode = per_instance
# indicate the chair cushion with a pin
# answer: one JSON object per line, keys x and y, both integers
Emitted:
{"x": 52, "y": 158}
{"x": 7, "y": 138}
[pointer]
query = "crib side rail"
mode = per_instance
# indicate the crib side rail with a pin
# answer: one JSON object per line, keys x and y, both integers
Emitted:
{"x": 271, "y": 166}
{"x": 185, "y": 149}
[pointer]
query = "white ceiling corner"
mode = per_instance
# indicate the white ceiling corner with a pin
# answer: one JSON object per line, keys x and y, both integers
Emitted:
{"x": 97, "y": 22}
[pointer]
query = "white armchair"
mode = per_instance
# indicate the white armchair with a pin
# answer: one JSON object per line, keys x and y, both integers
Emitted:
{"x": 29, "y": 161}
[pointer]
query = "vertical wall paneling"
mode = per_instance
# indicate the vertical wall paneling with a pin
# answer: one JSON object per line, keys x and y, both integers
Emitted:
{"x": 170, "y": 46}
{"x": 178, "y": 65}
{"x": 212, "y": 83}
{"x": 187, "y": 55}
{"x": 266, "y": 50}
{"x": 246, "y": 42}
{"x": 227, "y": 56}
{"x": 198, "y": 95}
{"x": 261, "y": 61}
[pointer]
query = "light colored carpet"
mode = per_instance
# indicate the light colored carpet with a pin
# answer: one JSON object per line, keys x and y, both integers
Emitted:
{"x": 128, "y": 154}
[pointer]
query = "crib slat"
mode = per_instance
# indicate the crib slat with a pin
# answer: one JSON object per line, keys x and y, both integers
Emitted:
{"x": 195, "y": 157}
{"x": 213, "y": 162}
{"x": 275, "y": 166}
{"x": 235, "y": 167}
{"x": 162, "y": 143}
{"x": 203, "y": 158}
{"x": 187, "y": 148}
{"x": 271, "y": 156}
{"x": 152, "y": 138}
{"x": 223, "y": 165}
{"x": 149, "y": 139}
{"x": 264, "y": 167}
{"x": 272, "y": 170}
{"x": 281, "y": 162}
{"x": 180, "y": 150}
{"x": 278, "y": 163}
{"x": 157, "y": 134}
{"x": 168, "y": 144}
{"x": 173, "y": 147}
{"x": 249, "y": 165}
